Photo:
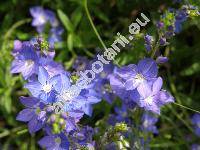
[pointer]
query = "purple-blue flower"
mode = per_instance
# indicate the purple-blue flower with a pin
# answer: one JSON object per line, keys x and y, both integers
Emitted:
{"x": 55, "y": 142}
{"x": 139, "y": 84}
{"x": 152, "y": 97}
{"x": 181, "y": 16}
{"x": 195, "y": 147}
{"x": 127, "y": 96}
{"x": 161, "y": 59}
{"x": 148, "y": 123}
{"x": 55, "y": 35}
{"x": 53, "y": 68}
{"x": 41, "y": 17}
{"x": 102, "y": 84}
{"x": 83, "y": 136}
{"x": 196, "y": 122}
{"x": 148, "y": 42}
{"x": 136, "y": 75}
{"x": 34, "y": 113}
{"x": 160, "y": 24}
{"x": 163, "y": 41}
{"x": 43, "y": 88}
{"x": 26, "y": 60}
{"x": 121, "y": 115}
{"x": 82, "y": 102}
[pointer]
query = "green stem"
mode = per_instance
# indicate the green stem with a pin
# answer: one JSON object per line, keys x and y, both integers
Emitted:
{"x": 92, "y": 24}
{"x": 16, "y": 25}
{"x": 12, "y": 132}
{"x": 181, "y": 119}
{"x": 155, "y": 48}
{"x": 188, "y": 108}
{"x": 173, "y": 88}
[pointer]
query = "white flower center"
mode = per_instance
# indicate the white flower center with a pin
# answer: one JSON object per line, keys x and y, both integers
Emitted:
{"x": 139, "y": 78}
{"x": 149, "y": 100}
{"x": 103, "y": 74}
{"x": 29, "y": 63}
{"x": 66, "y": 96}
{"x": 58, "y": 140}
{"x": 106, "y": 88}
{"x": 47, "y": 88}
{"x": 146, "y": 123}
{"x": 42, "y": 19}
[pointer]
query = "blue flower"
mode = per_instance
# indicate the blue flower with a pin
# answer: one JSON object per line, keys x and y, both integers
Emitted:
{"x": 55, "y": 142}
{"x": 148, "y": 42}
{"x": 81, "y": 102}
{"x": 148, "y": 123}
{"x": 127, "y": 96}
{"x": 160, "y": 24}
{"x": 137, "y": 75}
{"x": 121, "y": 115}
{"x": 152, "y": 97}
{"x": 51, "y": 18}
{"x": 55, "y": 35}
{"x": 181, "y": 16}
{"x": 161, "y": 59}
{"x": 26, "y": 60}
{"x": 16, "y": 47}
{"x": 53, "y": 68}
{"x": 148, "y": 95}
{"x": 163, "y": 41}
{"x": 41, "y": 17}
{"x": 34, "y": 113}
{"x": 83, "y": 136}
{"x": 44, "y": 87}
{"x": 195, "y": 147}
{"x": 102, "y": 84}
{"x": 196, "y": 123}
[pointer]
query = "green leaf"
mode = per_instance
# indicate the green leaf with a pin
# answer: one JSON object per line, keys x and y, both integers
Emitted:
{"x": 101, "y": 15}
{"x": 70, "y": 42}
{"x": 194, "y": 68}
{"x": 76, "y": 16}
{"x": 77, "y": 41}
{"x": 65, "y": 20}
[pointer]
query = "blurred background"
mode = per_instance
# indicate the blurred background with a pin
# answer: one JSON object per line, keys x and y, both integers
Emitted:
{"x": 181, "y": 73}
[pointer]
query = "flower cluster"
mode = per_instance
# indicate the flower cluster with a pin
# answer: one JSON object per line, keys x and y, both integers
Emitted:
{"x": 48, "y": 83}
{"x": 138, "y": 87}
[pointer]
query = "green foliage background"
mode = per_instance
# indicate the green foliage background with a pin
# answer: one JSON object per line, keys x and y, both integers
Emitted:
{"x": 181, "y": 74}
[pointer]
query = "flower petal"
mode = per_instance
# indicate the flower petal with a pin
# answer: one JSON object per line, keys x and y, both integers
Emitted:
{"x": 17, "y": 66}
{"x": 34, "y": 88}
{"x": 43, "y": 76}
{"x": 34, "y": 125}
{"x": 144, "y": 90}
{"x": 131, "y": 84}
{"x": 164, "y": 97}
{"x": 127, "y": 72}
{"x": 25, "y": 115}
{"x": 47, "y": 141}
{"x": 157, "y": 85}
{"x": 28, "y": 101}
{"x": 148, "y": 68}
